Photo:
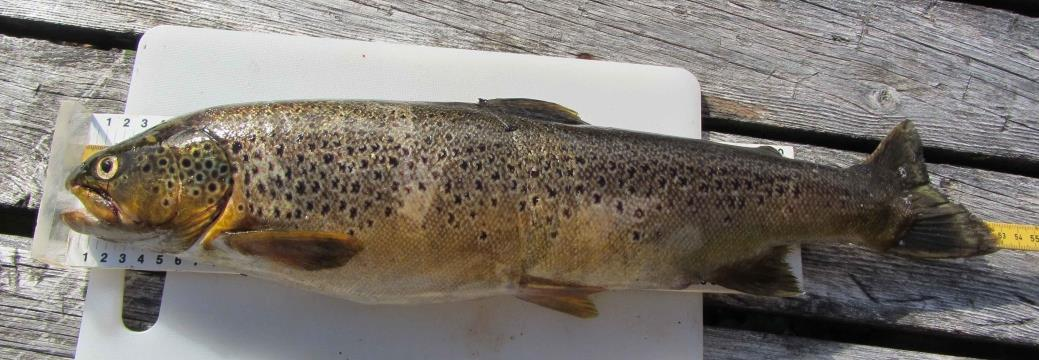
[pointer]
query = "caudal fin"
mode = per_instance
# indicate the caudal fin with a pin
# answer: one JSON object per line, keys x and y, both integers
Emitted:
{"x": 939, "y": 228}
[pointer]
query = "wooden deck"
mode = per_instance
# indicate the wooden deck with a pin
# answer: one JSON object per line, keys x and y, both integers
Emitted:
{"x": 828, "y": 77}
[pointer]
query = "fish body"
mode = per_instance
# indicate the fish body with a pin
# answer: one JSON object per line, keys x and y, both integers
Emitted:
{"x": 406, "y": 202}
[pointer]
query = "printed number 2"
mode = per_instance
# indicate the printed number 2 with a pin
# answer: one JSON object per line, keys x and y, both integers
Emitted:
{"x": 126, "y": 122}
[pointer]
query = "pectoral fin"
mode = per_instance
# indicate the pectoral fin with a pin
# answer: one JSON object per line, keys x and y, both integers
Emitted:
{"x": 304, "y": 250}
{"x": 767, "y": 275}
{"x": 536, "y": 109}
{"x": 564, "y": 297}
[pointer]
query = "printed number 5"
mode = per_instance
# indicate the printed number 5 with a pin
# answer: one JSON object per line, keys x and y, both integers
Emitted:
{"x": 158, "y": 259}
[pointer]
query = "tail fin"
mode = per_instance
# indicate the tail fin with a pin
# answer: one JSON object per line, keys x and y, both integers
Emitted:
{"x": 939, "y": 228}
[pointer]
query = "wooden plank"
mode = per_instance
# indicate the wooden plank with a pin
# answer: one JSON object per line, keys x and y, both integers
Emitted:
{"x": 993, "y": 297}
{"x": 41, "y": 308}
{"x": 967, "y": 74}
{"x": 989, "y": 297}
{"x": 721, "y": 344}
{"x": 34, "y": 76}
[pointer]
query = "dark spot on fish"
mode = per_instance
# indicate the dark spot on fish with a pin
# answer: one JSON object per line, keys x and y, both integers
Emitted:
{"x": 328, "y": 158}
{"x": 534, "y": 201}
{"x": 195, "y": 153}
{"x": 186, "y": 163}
{"x": 554, "y": 234}
{"x": 458, "y": 199}
{"x": 279, "y": 149}
{"x": 353, "y": 212}
{"x": 636, "y": 236}
{"x": 301, "y": 188}
{"x": 166, "y": 202}
{"x": 597, "y": 198}
{"x": 566, "y": 213}
{"x": 342, "y": 205}
{"x": 389, "y": 211}
{"x": 393, "y": 161}
{"x": 601, "y": 180}
{"x": 450, "y": 218}
{"x": 620, "y": 206}
{"x": 299, "y": 157}
{"x": 639, "y": 213}
{"x": 483, "y": 235}
{"x": 212, "y": 187}
{"x": 288, "y": 196}
{"x": 522, "y": 205}
{"x": 533, "y": 173}
{"x": 199, "y": 177}
{"x": 364, "y": 163}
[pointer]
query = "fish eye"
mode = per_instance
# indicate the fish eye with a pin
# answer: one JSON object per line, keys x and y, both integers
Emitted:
{"x": 106, "y": 167}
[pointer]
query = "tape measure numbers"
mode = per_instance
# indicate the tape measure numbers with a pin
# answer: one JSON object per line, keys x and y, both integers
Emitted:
{"x": 1015, "y": 236}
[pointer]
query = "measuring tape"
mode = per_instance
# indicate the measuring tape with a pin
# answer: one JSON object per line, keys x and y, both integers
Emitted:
{"x": 1008, "y": 236}
{"x": 1015, "y": 236}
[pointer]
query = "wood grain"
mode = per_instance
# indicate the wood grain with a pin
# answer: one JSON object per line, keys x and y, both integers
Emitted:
{"x": 41, "y": 308}
{"x": 967, "y": 74}
{"x": 722, "y": 344}
{"x": 34, "y": 76}
{"x": 993, "y": 297}
{"x": 987, "y": 298}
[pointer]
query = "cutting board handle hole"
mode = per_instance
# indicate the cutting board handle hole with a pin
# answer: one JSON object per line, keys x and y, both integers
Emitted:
{"x": 142, "y": 298}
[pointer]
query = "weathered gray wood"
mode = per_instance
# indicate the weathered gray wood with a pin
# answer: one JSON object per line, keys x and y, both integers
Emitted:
{"x": 34, "y": 76}
{"x": 967, "y": 74}
{"x": 723, "y": 344}
{"x": 993, "y": 297}
{"x": 944, "y": 291}
{"x": 41, "y": 308}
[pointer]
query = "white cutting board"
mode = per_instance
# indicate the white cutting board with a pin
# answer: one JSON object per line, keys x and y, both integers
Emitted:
{"x": 228, "y": 316}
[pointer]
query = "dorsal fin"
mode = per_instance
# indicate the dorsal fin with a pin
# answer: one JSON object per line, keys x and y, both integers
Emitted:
{"x": 534, "y": 109}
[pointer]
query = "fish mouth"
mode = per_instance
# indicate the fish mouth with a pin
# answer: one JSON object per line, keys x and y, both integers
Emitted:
{"x": 101, "y": 216}
{"x": 98, "y": 203}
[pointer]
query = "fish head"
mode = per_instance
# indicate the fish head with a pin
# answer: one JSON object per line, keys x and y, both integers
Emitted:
{"x": 159, "y": 190}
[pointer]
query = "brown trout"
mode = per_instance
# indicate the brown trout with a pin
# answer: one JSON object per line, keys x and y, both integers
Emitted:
{"x": 401, "y": 202}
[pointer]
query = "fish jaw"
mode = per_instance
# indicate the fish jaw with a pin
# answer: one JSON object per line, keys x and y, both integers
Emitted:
{"x": 101, "y": 217}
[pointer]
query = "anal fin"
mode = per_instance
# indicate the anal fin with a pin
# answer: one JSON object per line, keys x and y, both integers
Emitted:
{"x": 560, "y": 296}
{"x": 304, "y": 250}
{"x": 767, "y": 275}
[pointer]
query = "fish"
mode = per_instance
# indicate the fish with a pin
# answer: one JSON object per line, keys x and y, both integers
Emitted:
{"x": 390, "y": 202}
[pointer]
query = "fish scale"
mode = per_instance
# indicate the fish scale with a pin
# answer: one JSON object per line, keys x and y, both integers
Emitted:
{"x": 401, "y": 202}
